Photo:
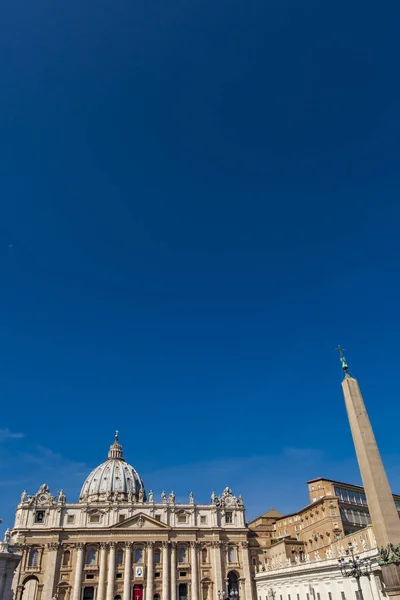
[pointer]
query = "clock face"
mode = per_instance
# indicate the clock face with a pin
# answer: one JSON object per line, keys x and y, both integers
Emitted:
{"x": 139, "y": 572}
{"x": 228, "y": 501}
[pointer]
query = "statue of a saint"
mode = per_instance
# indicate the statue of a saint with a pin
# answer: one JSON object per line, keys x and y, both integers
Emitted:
{"x": 141, "y": 494}
{"x": 171, "y": 497}
{"x": 213, "y": 497}
{"x": 191, "y": 498}
{"x": 61, "y": 497}
{"x": 24, "y": 497}
{"x": 163, "y": 497}
{"x": 151, "y": 496}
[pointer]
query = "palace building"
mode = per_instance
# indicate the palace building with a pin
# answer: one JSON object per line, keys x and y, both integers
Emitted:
{"x": 119, "y": 543}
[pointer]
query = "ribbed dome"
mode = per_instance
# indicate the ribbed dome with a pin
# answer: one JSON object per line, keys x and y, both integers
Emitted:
{"x": 114, "y": 479}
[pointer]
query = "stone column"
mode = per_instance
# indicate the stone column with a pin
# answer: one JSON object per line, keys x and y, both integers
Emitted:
{"x": 150, "y": 572}
{"x": 217, "y": 567}
{"x": 246, "y": 570}
{"x": 127, "y": 570}
{"x": 102, "y": 571}
{"x": 80, "y": 549}
{"x": 165, "y": 579}
{"x": 194, "y": 569}
{"x": 111, "y": 572}
{"x": 173, "y": 571}
{"x": 50, "y": 571}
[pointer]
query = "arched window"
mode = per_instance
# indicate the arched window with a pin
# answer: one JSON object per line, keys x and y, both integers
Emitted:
{"x": 182, "y": 554}
{"x": 65, "y": 558}
{"x": 138, "y": 555}
{"x": 231, "y": 554}
{"x": 120, "y": 558}
{"x": 117, "y": 597}
{"x": 157, "y": 556}
{"x": 88, "y": 593}
{"x": 204, "y": 555}
{"x": 33, "y": 560}
{"x": 91, "y": 557}
{"x": 156, "y": 597}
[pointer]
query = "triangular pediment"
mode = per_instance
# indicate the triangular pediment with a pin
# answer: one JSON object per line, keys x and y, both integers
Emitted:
{"x": 140, "y": 521}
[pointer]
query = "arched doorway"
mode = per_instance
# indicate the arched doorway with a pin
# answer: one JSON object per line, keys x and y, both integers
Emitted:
{"x": 30, "y": 589}
{"x": 63, "y": 591}
{"x": 233, "y": 585}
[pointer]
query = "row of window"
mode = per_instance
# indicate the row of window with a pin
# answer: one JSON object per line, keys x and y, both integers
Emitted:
{"x": 314, "y": 596}
{"x": 91, "y": 556}
{"x": 96, "y": 518}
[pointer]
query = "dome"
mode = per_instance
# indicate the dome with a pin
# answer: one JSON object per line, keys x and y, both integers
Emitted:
{"x": 114, "y": 479}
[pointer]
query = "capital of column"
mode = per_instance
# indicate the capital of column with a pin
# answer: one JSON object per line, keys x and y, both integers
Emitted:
{"x": 150, "y": 544}
{"x": 79, "y": 545}
{"x": 194, "y": 544}
{"x": 173, "y": 545}
{"x": 245, "y": 544}
{"x": 102, "y": 545}
{"x": 128, "y": 544}
{"x": 112, "y": 544}
{"x": 165, "y": 544}
{"x": 53, "y": 545}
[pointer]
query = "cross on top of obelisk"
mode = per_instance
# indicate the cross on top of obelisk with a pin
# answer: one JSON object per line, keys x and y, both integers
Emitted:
{"x": 342, "y": 357}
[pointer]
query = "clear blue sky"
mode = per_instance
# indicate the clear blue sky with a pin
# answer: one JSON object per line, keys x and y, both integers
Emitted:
{"x": 202, "y": 201}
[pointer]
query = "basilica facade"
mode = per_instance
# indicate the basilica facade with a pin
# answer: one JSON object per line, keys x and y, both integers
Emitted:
{"x": 119, "y": 542}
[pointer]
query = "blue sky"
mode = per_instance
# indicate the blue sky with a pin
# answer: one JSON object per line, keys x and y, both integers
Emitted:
{"x": 199, "y": 201}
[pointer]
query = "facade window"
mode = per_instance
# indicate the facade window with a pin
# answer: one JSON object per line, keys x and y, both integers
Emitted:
{"x": 228, "y": 517}
{"x": 33, "y": 560}
{"x": 66, "y": 557}
{"x": 118, "y": 576}
{"x": 182, "y": 554}
{"x": 138, "y": 555}
{"x": 89, "y": 576}
{"x": 88, "y": 593}
{"x": 333, "y": 512}
{"x": 182, "y": 518}
{"x": 204, "y": 557}
{"x": 94, "y": 519}
{"x": 91, "y": 557}
{"x": 121, "y": 518}
{"x": 231, "y": 554}
{"x": 39, "y": 516}
{"x": 120, "y": 557}
{"x": 157, "y": 517}
{"x": 157, "y": 556}
{"x": 343, "y": 595}
{"x": 71, "y": 519}
{"x": 330, "y": 595}
{"x": 203, "y": 519}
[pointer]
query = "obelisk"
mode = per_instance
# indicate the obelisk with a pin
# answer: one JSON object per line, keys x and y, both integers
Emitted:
{"x": 383, "y": 511}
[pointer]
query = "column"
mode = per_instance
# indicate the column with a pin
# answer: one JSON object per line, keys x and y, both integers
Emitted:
{"x": 219, "y": 583}
{"x": 165, "y": 591}
{"x": 246, "y": 570}
{"x": 127, "y": 570}
{"x": 173, "y": 571}
{"x": 150, "y": 572}
{"x": 195, "y": 575}
{"x": 111, "y": 573}
{"x": 102, "y": 571}
{"x": 80, "y": 549}
{"x": 50, "y": 571}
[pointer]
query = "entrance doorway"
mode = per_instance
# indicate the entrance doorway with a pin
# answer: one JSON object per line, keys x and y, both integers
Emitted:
{"x": 137, "y": 592}
{"x": 182, "y": 591}
{"x": 233, "y": 584}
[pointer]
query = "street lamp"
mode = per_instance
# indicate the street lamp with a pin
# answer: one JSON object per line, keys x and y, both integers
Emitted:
{"x": 221, "y": 595}
{"x": 355, "y": 567}
{"x": 234, "y": 595}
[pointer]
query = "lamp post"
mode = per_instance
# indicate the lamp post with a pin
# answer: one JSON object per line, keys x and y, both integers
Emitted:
{"x": 221, "y": 595}
{"x": 234, "y": 595}
{"x": 355, "y": 567}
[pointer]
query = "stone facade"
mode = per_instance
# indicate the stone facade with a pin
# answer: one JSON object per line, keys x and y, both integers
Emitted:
{"x": 9, "y": 561}
{"x": 119, "y": 543}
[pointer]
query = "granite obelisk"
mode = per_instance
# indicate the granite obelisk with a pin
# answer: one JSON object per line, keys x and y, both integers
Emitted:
{"x": 383, "y": 511}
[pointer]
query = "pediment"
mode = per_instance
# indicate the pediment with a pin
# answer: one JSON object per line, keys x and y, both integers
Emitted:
{"x": 140, "y": 521}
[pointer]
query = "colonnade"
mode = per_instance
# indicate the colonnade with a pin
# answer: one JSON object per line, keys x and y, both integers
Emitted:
{"x": 107, "y": 571}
